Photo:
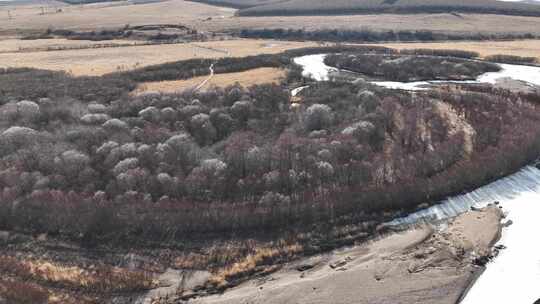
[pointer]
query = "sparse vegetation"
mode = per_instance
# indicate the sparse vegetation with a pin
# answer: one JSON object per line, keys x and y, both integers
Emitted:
{"x": 441, "y": 53}
{"x": 22, "y": 293}
{"x": 102, "y": 279}
{"x": 512, "y": 59}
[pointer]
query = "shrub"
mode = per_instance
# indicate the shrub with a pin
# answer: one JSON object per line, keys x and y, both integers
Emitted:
{"x": 203, "y": 130}
{"x": 180, "y": 151}
{"x": 318, "y": 117}
{"x": 272, "y": 198}
{"x": 241, "y": 110}
{"x": 97, "y": 108}
{"x": 115, "y": 125}
{"x": 223, "y": 122}
{"x": 125, "y": 165}
{"x": 511, "y": 59}
{"x": 442, "y": 53}
{"x": 150, "y": 114}
{"x": 17, "y": 137}
{"x": 71, "y": 162}
{"x": 95, "y": 119}
{"x": 362, "y": 130}
{"x": 22, "y": 293}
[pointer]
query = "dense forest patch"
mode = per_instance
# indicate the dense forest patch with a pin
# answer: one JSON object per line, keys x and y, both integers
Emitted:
{"x": 337, "y": 7}
{"x": 369, "y": 35}
{"x": 234, "y": 179}
{"x": 235, "y": 159}
{"x": 407, "y": 68}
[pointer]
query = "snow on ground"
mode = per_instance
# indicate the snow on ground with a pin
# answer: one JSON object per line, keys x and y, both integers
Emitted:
{"x": 530, "y": 74}
{"x": 314, "y": 67}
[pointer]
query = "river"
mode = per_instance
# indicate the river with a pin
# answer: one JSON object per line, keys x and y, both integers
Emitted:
{"x": 315, "y": 68}
{"x": 514, "y": 275}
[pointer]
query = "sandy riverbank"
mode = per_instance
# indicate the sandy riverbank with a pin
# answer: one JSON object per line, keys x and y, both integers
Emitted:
{"x": 420, "y": 265}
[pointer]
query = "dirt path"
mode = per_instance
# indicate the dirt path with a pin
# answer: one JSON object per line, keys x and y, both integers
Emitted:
{"x": 422, "y": 265}
{"x": 202, "y": 84}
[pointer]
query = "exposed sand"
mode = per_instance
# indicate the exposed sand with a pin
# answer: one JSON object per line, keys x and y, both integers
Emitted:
{"x": 246, "y": 79}
{"x": 457, "y": 124}
{"x": 422, "y": 265}
{"x": 105, "y": 60}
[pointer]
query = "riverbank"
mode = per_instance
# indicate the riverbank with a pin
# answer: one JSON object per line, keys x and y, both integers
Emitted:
{"x": 425, "y": 264}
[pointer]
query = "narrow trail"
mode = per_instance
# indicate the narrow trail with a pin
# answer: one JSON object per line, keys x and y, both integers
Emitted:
{"x": 202, "y": 84}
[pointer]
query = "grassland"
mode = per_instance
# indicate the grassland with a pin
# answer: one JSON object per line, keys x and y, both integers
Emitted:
{"x": 105, "y": 60}
{"x": 212, "y": 18}
{"x": 246, "y": 79}
{"x": 448, "y": 23}
{"x": 18, "y": 45}
{"x": 106, "y": 15}
{"x": 348, "y": 7}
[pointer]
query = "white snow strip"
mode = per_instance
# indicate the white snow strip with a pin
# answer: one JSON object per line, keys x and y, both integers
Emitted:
{"x": 514, "y": 276}
{"x": 314, "y": 67}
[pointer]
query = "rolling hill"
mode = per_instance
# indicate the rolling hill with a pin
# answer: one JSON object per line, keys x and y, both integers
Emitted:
{"x": 323, "y": 7}
{"x": 240, "y": 4}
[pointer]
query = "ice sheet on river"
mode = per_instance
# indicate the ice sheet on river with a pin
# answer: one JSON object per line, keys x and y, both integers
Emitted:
{"x": 315, "y": 68}
{"x": 514, "y": 276}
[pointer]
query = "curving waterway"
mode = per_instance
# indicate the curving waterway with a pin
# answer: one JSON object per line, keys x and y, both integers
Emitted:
{"x": 514, "y": 276}
{"x": 315, "y": 68}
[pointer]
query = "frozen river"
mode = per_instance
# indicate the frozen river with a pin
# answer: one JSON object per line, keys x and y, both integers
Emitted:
{"x": 514, "y": 276}
{"x": 315, "y": 68}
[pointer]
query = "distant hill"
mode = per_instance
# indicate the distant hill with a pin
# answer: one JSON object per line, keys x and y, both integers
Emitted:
{"x": 239, "y": 3}
{"x": 535, "y": 2}
{"x": 336, "y": 7}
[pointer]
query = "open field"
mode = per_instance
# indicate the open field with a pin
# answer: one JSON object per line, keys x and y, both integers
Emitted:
{"x": 106, "y": 60}
{"x": 106, "y": 15}
{"x": 524, "y": 48}
{"x": 15, "y": 45}
{"x": 451, "y": 23}
{"x": 212, "y": 18}
{"x": 246, "y": 79}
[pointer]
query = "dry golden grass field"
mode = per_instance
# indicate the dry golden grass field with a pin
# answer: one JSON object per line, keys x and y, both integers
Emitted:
{"x": 525, "y": 48}
{"x": 205, "y": 17}
{"x": 16, "y": 45}
{"x": 105, "y": 60}
{"x": 106, "y": 15}
{"x": 450, "y": 23}
{"x": 247, "y": 78}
